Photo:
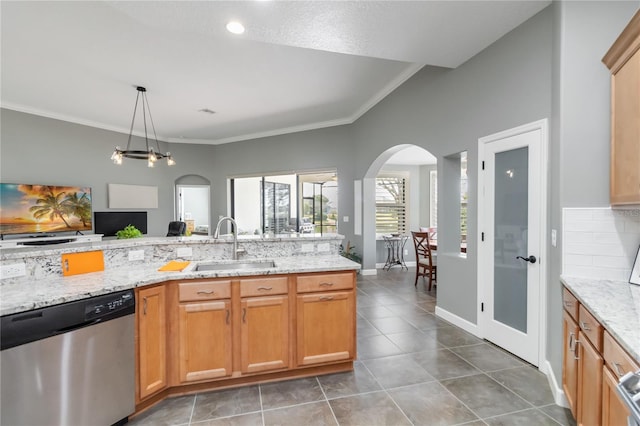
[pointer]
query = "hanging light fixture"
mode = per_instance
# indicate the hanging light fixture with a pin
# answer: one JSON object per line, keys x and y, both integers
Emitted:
{"x": 150, "y": 154}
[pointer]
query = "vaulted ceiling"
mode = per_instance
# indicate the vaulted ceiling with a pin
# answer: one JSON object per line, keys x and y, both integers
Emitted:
{"x": 299, "y": 65}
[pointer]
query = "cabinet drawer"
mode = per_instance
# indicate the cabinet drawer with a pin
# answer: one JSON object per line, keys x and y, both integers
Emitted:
{"x": 325, "y": 282}
{"x": 570, "y": 303}
{"x": 616, "y": 358}
{"x": 204, "y": 290}
{"x": 591, "y": 328}
{"x": 263, "y": 286}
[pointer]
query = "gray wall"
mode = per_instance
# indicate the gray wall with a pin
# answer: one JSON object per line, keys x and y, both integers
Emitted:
{"x": 580, "y": 128}
{"x": 445, "y": 112}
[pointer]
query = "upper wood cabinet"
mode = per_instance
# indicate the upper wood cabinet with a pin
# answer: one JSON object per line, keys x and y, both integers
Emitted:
{"x": 623, "y": 60}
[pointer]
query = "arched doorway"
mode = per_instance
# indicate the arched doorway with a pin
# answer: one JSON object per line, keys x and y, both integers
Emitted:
{"x": 192, "y": 203}
{"x": 414, "y": 169}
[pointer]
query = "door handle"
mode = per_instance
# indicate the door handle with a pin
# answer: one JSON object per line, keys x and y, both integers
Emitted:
{"x": 531, "y": 259}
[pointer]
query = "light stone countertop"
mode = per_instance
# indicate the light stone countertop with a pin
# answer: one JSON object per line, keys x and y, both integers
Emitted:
{"x": 615, "y": 304}
{"x": 24, "y": 294}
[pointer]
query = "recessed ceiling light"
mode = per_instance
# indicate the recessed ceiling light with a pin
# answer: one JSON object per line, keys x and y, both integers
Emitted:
{"x": 235, "y": 27}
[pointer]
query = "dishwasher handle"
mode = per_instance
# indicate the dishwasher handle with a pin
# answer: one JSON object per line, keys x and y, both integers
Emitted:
{"x": 78, "y": 326}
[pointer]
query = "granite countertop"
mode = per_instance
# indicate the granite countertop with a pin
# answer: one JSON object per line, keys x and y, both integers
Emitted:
{"x": 24, "y": 294}
{"x": 615, "y": 304}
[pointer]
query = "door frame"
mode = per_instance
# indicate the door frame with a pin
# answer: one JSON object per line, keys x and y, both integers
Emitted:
{"x": 543, "y": 169}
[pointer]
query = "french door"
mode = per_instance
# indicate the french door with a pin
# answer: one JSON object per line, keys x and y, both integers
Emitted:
{"x": 511, "y": 255}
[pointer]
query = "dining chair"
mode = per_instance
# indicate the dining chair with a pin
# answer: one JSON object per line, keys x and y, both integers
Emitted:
{"x": 426, "y": 259}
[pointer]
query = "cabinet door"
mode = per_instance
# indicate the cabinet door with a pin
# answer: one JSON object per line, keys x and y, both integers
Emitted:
{"x": 205, "y": 340}
{"x": 325, "y": 327}
{"x": 625, "y": 144}
{"x": 152, "y": 343}
{"x": 570, "y": 361}
{"x": 589, "y": 383}
{"x": 614, "y": 411}
{"x": 264, "y": 333}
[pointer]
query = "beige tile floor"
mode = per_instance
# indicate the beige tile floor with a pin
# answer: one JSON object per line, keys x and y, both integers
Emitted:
{"x": 412, "y": 369}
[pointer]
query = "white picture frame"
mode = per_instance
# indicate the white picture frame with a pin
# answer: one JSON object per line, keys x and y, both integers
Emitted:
{"x": 635, "y": 271}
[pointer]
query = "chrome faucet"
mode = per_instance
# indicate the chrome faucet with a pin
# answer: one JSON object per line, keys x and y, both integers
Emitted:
{"x": 216, "y": 235}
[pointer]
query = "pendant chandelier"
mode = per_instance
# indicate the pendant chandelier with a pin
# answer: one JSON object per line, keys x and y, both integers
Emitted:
{"x": 150, "y": 154}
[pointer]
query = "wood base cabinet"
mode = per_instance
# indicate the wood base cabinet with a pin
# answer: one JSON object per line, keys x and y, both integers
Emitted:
{"x": 204, "y": 330}
{"x": 589, "y": 383}
{"x": 570, "y": 362}
{"x": 225, "y": 332}
{"x": 325, "y": 327}
{"x": 152, "y": 340}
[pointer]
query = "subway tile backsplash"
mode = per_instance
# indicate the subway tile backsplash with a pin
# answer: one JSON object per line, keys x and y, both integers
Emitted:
{"x": 600, "y": 242}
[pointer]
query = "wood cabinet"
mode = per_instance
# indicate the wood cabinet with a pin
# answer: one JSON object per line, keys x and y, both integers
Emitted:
{"x": 204, "y": 330}
{"x": 203, "y": 334}
{"x": 152, "y": 340}
{"x": 570, "y": 362}
{"x": 325, "y": 319}
{"x": 592, "y": 364}
{"x": 623, "y": 60}
{"x": 264, "y": 329}
{"x": 617, "y": 364}
{"x": 589, "y": 382}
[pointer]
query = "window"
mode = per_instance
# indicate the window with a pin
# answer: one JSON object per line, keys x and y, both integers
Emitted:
{"x": 464, "y": 195}
{"x": 433, "y": 198}
{"x": 391, "y": 204}
{"x": 281, "y": 204}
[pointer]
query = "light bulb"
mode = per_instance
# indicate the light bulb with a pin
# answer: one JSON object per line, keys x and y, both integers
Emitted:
{"x": 150, "y": 163}
{"x": 170, "y": 160}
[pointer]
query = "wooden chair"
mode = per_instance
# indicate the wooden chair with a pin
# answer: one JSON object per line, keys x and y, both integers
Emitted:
{"x": 426, "y": 265}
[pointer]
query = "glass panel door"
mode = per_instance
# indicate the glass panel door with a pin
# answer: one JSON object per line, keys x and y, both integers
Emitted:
{"x": 510, "y": 238}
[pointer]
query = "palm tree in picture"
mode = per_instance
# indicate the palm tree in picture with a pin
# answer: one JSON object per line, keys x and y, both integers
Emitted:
{"x": 50, "y": 205}
{"x": 79, "y": 206}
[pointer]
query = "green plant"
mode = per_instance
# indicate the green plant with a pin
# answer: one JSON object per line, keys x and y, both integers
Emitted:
{"x": 129, "y": 231}
{"x": 350, "y": 253}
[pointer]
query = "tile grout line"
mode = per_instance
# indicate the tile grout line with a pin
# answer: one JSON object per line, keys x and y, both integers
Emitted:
{"x": 388, "y": 395}
{"x": 193, "y": 408}
{"x": 327, "y": 401}
{"x": 261, "y": 406}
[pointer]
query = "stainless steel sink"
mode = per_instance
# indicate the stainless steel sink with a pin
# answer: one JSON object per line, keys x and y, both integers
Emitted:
{"x": 244, "y": 264}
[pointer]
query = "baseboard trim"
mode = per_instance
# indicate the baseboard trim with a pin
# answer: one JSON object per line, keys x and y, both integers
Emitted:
{"x": 409, "y": 264}
{"x": 557, "y": 391}
{"x": 454, "y": 319}
{"x": 368, "y": 271}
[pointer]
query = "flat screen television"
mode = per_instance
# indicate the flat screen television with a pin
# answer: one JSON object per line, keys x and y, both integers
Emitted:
{"x": 44, "y": 209}
{"x": 108, "y": 223}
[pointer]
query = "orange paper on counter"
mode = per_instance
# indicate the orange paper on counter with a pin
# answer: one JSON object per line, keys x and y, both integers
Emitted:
{"x": 82, "y": 263}
{"x": 174, "y": 265}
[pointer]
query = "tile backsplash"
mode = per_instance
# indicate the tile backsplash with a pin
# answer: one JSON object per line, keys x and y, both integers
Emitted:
{"x": 600, "y": 242}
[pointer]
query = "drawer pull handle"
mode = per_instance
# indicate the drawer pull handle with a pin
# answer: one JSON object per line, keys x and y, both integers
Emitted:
{"x": 568, "y": 304}
{"x": 265, "y": 288}
{"x": 228, "y": 314}
{"x": 144, "y": 306}
{"x": 585, "y": 326}
{"x": 244, "y": 315}
{"x": 617, "y": 366}
{"x": 206, "y": 292}
{"x": 326, "y": 284}
{"x": 326, "y": 297}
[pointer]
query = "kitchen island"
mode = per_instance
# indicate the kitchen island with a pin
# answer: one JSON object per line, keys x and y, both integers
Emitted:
{"x": 216, "y": 328}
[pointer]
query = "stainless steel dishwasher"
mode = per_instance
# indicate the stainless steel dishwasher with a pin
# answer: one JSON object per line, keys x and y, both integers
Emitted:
{"x": 69, "y": 364}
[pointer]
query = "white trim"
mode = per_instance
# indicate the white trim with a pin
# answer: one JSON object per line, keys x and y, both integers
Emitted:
{"x": 558, "y": 393}
{"x": 541, "y": 125}
{"x": 366, "y": 106}
{"x": 368, "y": 271}
{"x": 464, "y": 324}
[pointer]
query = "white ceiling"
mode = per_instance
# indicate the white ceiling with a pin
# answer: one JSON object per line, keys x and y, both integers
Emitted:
{"x": 300, "y": 64}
